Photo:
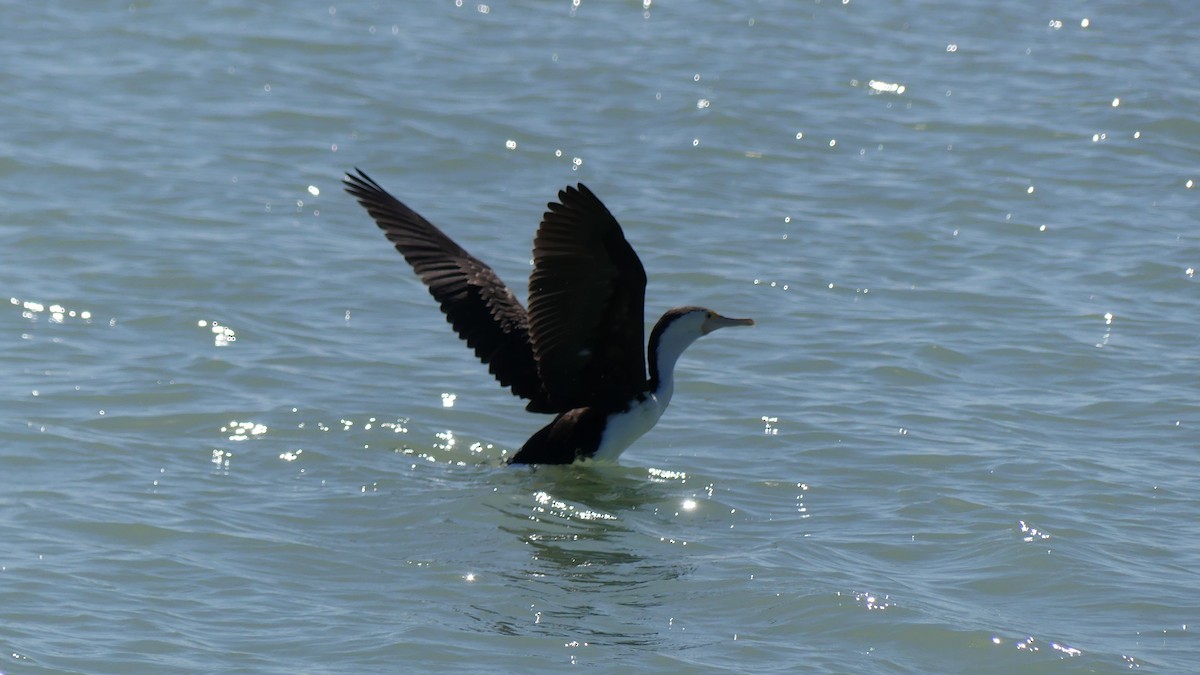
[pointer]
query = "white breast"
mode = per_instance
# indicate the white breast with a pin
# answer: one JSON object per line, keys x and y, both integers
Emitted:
{"x": 625, "y": 428}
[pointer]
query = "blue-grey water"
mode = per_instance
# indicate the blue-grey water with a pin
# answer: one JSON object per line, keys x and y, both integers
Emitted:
{"x": 236, "y": 434}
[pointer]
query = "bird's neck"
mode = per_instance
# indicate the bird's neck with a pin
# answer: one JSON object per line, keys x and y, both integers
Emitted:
{"x": 667, "y": 341}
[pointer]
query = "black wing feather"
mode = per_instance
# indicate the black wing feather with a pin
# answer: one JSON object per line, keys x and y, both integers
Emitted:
{"x": 586, "y": 303}
{"x": 483, "y": 311}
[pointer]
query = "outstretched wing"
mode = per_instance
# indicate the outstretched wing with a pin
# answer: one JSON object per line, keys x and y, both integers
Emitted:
{"x": 586, "y": 301}
{"x": 483, "y": 311}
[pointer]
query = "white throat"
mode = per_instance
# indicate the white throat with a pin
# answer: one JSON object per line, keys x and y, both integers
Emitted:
{"x": 677, "y": 337}
{"x": 625, "y": 428}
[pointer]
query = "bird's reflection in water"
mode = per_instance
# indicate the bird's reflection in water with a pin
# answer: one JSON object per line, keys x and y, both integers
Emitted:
{"x": 597, "y": 568}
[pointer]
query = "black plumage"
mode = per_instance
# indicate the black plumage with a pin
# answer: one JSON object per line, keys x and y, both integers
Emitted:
{"x": 578, "y": 351}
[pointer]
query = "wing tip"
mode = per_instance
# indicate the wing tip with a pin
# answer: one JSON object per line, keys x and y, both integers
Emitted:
{"x": 357, "y": 184}
{"x": 573, "y": 197}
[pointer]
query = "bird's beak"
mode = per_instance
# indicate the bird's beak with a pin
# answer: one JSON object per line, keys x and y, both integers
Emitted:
{"x": 717, "y": 321}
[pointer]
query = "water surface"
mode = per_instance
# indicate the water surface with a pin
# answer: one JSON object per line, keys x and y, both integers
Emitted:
{"x": 238, "y": 436}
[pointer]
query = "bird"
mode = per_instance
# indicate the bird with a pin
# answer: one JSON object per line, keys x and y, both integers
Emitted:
{"x": 577, "y": 352}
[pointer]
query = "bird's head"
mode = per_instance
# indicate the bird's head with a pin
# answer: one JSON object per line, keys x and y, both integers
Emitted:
{"x": 681, "y": 326}
{"x": 697, "y": 321}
